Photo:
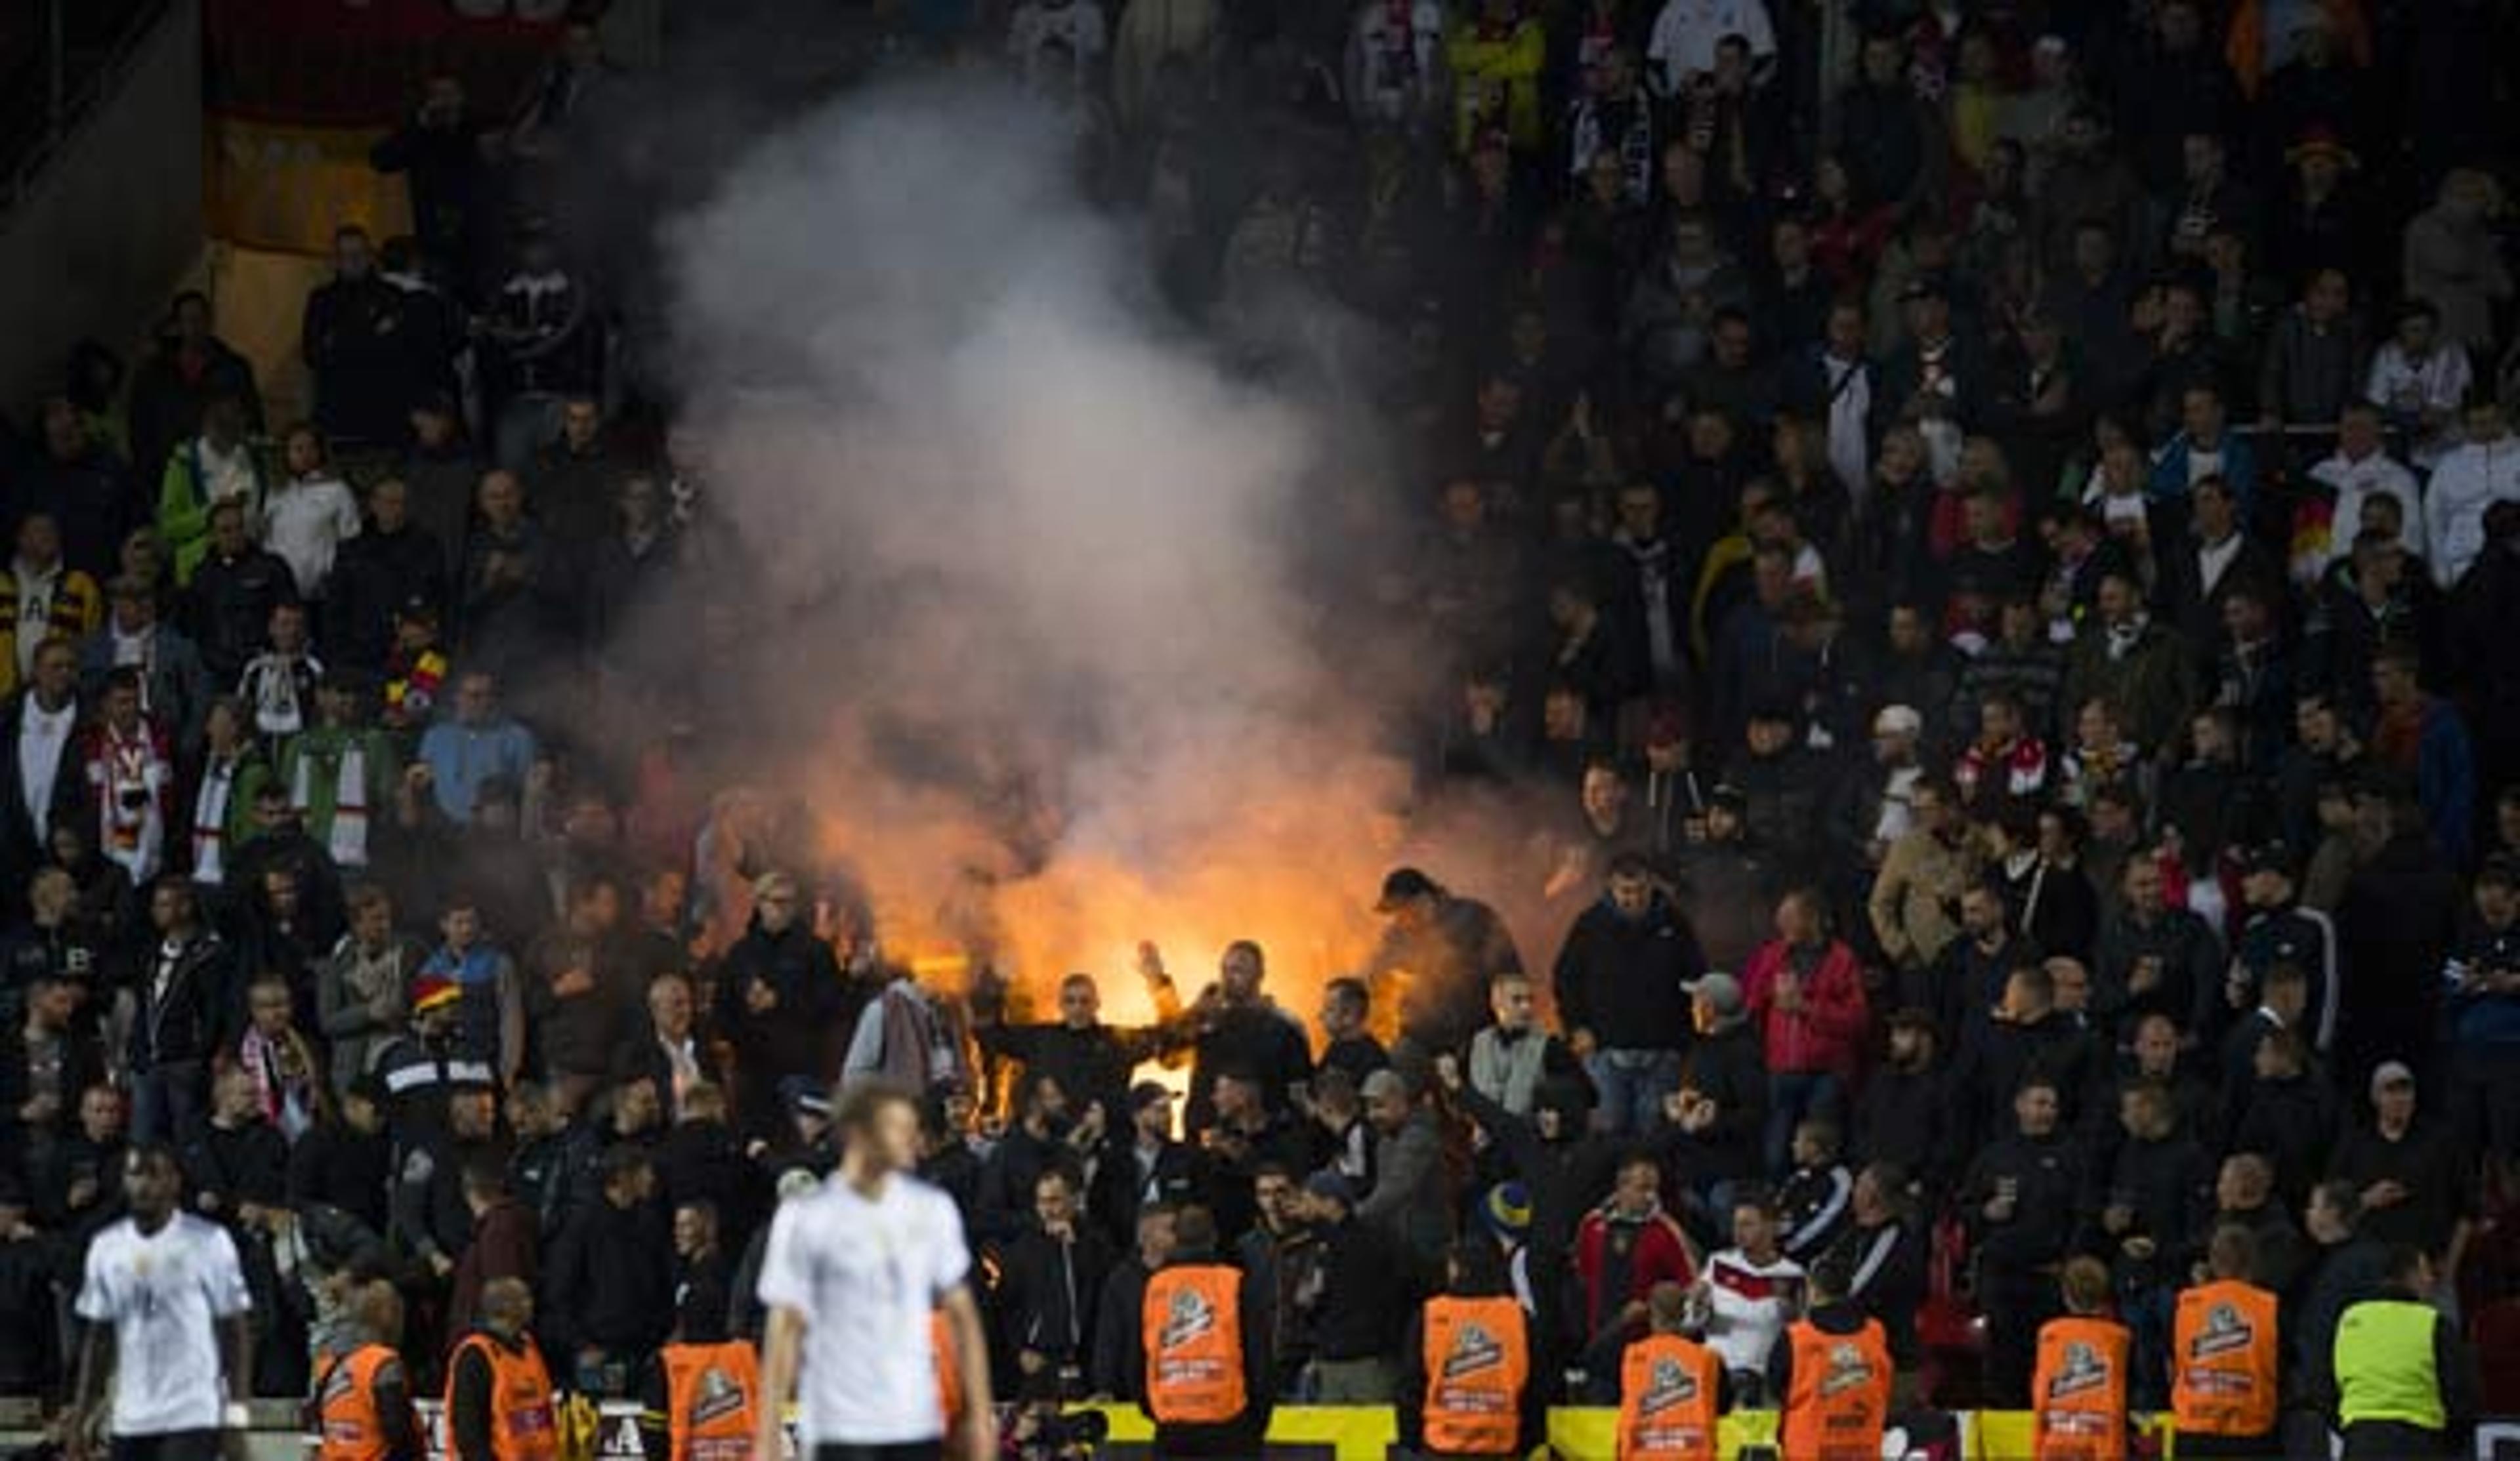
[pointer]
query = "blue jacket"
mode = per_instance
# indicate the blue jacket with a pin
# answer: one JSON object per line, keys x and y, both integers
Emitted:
{"x": 2446, "y": 779}
{"x": 2240, "y": 469}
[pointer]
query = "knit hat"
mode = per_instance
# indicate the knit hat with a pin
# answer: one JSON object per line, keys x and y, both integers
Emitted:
{"x": 1506, "y": 1211}
{"x": 433, "y": 992}
{"x": 1721, "y": 991}
{"x": 1333, "y": 1185}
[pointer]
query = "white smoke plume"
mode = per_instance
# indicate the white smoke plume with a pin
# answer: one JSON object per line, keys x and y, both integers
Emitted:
{"x": 1034, "y": 558}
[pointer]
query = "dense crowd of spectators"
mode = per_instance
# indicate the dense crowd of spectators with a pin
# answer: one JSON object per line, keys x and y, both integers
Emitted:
{"x": 1996, "y": 564}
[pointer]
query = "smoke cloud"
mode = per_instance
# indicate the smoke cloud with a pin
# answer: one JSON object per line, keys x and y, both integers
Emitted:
{"x": 1039, "y": 571}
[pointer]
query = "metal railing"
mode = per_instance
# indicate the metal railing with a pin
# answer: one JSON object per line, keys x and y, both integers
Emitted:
{"x": 57, "y": 65}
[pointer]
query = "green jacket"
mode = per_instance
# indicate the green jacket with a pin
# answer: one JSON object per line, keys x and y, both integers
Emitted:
{"x": 314, "y": 758}
{"x": 184, "y": 506}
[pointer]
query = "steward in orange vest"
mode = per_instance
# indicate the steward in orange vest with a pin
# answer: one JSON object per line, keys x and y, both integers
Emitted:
{"x": 703, "y": 1393}
{"x": 361, "y": 1400}
{"x": 1672, "y": 1390}
{"x": 2224, "y": 1354}
{"x": 1833, "y": 1369}
{"x": 1465, "y": 1368}
{"x": 2078, "y": 1394}
{"x": 1204, "y": 1349}
{"x": 498, "y": 1394}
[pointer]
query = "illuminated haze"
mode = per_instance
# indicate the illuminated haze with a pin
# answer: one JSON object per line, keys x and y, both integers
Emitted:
{"x": 1035, "y": 568}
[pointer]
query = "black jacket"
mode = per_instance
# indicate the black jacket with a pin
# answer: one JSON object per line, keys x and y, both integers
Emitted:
{"x": 608, "y": 1284}
{"x": 1905, "y": 1117}
{"x": 799, "y": 1036}
{"x": 227, "y": 610}
{"x": 2047, "y": 1184}
{"x": 2191, "y": 969}
{"x": 1365, "y": 1293}
{"x": 374, "y": 575}
{"x": 2170, "y": 1186}
{"x": 1890, "y": 1266}
{"x": 1623, "y": 978}
{"x": 1727, "y": 1066}
{"x": 1048, "y": 1291}
{"x": 1120, "y": 1306}
{"x": 352, "y": 339}
{"x": 1178, "y": 1175}
{"x": 247, "y": 1164}
{"x": 1090, "y": 1065}
{"x": 19, "y": 853}
{"x": 341, "y": 1168}
{"x": 1996, "y": 1058}
{"x": 82, "y": 1066}
{"x": 183, "y": 1022}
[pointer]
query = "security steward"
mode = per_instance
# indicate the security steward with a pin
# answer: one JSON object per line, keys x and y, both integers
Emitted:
{"x": 499, "y": 1404}
{"x": 363, "y": 1409}
{"x": 1204, "y": 1349}
{"x": 1466, "y": 1367}
{"x": 2404, "y": 1387}
{"x": 703, "y": 1393}
{"x": 2225, "y": 1357}
{"x": 1673, "y": 1392}
{"x": 2078, "y": 1394}
{"x": 1833, "y": 1369}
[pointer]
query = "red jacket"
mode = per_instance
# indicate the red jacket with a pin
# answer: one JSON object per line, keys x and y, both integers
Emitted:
{"x": 1826, "y": 1034}
{"x": 1659, "y": 1252}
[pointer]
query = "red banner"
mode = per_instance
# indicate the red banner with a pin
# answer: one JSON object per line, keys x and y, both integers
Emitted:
{"x": 360, "y": 62}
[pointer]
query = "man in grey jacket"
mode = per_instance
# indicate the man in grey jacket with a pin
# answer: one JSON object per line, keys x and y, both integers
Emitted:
{"x": 1412, "y": 1198}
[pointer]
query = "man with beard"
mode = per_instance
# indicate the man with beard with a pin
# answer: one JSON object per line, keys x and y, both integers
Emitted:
{"x": 1970, "y": 975}
{"x": 1904, "y": 1118}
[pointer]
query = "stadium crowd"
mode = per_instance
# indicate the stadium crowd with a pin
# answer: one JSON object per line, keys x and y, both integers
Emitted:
{"x": 1997, "y": 565}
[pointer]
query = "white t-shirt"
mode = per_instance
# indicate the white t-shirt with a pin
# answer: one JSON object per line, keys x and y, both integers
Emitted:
{"x": 1748, "y": 1306}
{"x": 866, "y": 1275}
{"x": 164, "y": 1295}
{"x": 306, "y": 523}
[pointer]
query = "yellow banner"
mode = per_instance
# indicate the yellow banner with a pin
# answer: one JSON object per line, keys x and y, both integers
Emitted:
{"x": 285, "y": 187}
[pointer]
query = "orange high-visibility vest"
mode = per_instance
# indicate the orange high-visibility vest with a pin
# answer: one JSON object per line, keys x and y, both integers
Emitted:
{"x": 1840, "y": 1400}
{"x": 2223, "y": 1356}
{"x": 949, "y": 1374}
{"x": 1193, "y": 1330}
{"x": 1478, "y": 1356}
{"x": 712, "y": 1399}
{"x": 1668, "y": 1392}
{"x": 2077, "y": 1395}
{"x": 524, "y": 1423}
{"x": 352, "y": 1423}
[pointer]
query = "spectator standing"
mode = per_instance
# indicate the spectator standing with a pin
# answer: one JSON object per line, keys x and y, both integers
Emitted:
{"x": 1621, "y": 983}
{"x": 1806, "y": 994}
{"x": 350, "y": 341}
